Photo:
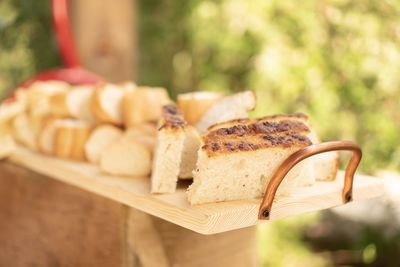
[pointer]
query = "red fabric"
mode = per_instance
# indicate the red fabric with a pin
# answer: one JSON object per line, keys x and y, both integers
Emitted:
{"x": 74, "y": 76}
{"x": 63, "y": 33}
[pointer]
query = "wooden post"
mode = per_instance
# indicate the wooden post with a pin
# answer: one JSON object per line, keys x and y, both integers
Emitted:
{"x": 105, "y": 35}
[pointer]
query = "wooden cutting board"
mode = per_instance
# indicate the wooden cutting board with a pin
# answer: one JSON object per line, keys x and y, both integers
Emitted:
{"x": 205, "y": 219}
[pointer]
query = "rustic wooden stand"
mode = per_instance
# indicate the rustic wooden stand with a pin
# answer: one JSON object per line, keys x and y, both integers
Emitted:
{"x": 44, "y": 222}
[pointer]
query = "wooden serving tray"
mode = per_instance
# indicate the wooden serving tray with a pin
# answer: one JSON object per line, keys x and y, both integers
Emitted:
{"x": 205, "y": 219}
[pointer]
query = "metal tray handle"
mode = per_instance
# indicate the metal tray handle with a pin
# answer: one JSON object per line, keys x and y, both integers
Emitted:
{"x": 265, "y": 207}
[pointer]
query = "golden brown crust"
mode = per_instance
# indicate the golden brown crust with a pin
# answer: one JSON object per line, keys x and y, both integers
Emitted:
{"x": 221, "y": 145}
{"x": 255, "y": 134}
{"x": 263, "y": 127}
{"x": 172, "y": 118}
{"x": 278, "y": 117}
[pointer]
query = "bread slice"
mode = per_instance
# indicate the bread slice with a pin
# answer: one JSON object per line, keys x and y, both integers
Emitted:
{"x": 100, "y": 138}
{"x": 40, "y": 94}
{"x": 7, "y": 145}
{"x": 325, "y": 165}
{"x": 106, "y": 103}
{"x": 46, "y": 138}
{"x": 168, "y": 152}
{"x": 144, "y": 134}
{"x": 39, "y": 102}
{"x": 13, "y": 106}
{"x": 23, "y": 131}
{"x": 143, "y": 105}
{"x": 70, "y": 137}
{"x": 195, "y": 104}
{"x": 228, "y": 108}
{"x": 126, "y": 157}
{"x": 238, "y": 162}
{"x": 189, "y": 154}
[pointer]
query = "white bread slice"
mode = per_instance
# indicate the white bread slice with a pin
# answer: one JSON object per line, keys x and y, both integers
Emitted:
{"x": 39, "y": 104}
{"x": 238, "y": 162}
{"x": 326, "y": 166}
{"x": 144, "y": 134}
{"x": 7, "y": 145}
{"x": 75, "y": 103}
{"x": 23, "y": 131}
{"x": 99, "y": 140}
{"x": 230, "y": 107}
{"x": 106, "y": 103}
{"x": 70, "y": 137}
{"x": 195, "y": 104}
{"x": 126, "y": 157}
{"x": 11, "y": 107}
{"x": 143, "y": 105}
{"x": 189, "y": 154}
{"x": 78, "y": 102}
{"x": 46, "y": 138}
{"x": 40, "y": 94}
{"x": 168, "y": 152}
{"x": 58, "y": 104}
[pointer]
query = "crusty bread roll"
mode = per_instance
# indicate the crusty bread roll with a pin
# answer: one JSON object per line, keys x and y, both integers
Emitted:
{"x": 168, "y": 152}
{"x": 106, "y": 102}
{"x": 238, "y": 161}
{"x": 70, "y": 138}
{"x": 99, "y": 140}
{"x": 126, "y": 157}
{"x": 230, "y": 107}
{"x": 143, "y": 105}
{"x": 189, "y": 154}
{"x": 195, "y": 104}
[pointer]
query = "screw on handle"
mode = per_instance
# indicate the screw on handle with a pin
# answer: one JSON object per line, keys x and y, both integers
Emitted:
{"x": 266, "y": 204}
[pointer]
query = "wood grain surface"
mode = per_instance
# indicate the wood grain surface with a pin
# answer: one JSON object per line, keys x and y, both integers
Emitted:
{"x": 47, "y": 223}
{"x": 206, "y": 219}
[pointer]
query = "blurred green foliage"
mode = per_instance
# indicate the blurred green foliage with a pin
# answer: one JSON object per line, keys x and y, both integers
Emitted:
{"x": 336, "y": 60}
{"x": 27, "y": 45}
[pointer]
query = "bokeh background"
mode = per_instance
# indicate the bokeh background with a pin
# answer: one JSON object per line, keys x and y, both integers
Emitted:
{"x": 336, "y": 60}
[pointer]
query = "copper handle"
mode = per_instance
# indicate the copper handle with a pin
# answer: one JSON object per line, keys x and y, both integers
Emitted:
{"x": 265, "y": 207}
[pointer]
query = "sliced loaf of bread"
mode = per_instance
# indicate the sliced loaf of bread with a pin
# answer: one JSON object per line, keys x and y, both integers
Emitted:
{"x": 100, "y": 138}
{"x": 127, "y": 157}
{"x": 70, "y": 137}
{"x": 237, "y": 162}
{"x": 143, "y": 105}
{"x": 195, "y": 104}
{"x": 106, "y": 103}
{"x": 168, "y": 151}
{"x": 191, "y": 147}
{"x": 325, "y": 165}
{"x": 227, "y": 108}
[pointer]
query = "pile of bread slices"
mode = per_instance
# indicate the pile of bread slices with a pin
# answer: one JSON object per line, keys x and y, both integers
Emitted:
{"x": 137, "y": 131}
